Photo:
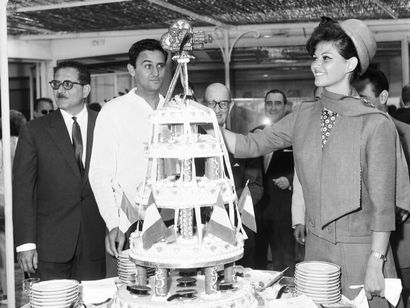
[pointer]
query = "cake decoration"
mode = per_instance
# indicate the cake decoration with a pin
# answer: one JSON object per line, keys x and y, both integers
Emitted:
{"x": 206, "y": 232}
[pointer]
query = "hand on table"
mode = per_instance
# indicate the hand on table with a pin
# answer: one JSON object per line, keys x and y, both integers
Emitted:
{"x": 28, "y": 260}
{"x": 114, "y": 242}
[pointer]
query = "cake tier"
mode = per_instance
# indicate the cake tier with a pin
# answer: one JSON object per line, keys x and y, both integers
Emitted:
{"x": 182, "y": 114}
{"x": 242, "y": 296}
{"x": 178, "y": 194}
{"x": 186, "y": 253}
{"x": 186, "y": 146}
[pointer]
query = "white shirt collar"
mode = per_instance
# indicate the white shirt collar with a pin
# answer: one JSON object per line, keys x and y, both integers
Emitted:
{"x": 81, "y": 116}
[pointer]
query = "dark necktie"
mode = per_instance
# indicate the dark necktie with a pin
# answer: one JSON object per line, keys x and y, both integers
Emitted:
{"x": 327, "y": 120}
{"x": 77, "y": 144}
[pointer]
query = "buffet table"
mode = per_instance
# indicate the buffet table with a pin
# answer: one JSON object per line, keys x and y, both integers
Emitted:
{"x": 99, "y": 293}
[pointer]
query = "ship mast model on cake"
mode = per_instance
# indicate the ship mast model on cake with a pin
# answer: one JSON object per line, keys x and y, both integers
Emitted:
{"x": 206, "y": 232}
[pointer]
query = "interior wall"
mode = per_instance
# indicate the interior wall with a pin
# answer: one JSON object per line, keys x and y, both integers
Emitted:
{"x": 19, "y": 85}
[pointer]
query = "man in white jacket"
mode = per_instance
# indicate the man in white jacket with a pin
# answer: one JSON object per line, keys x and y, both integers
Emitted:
{"x": 121, "y": 132}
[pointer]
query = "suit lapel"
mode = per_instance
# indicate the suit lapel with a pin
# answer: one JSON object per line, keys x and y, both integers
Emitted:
{"x": 92, "y": 116}
{"x": 61, "y": 138}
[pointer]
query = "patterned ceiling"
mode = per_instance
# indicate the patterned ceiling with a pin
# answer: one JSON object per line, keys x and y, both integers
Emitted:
{"x": 33, "y": 17}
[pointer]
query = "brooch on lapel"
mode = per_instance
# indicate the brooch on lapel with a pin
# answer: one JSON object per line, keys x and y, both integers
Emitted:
{"x": 367, "y": 102}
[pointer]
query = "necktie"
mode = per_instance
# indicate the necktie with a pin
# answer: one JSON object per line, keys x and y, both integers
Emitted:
{"x": 77, "y": 144}
{"x": 327, "y": 120}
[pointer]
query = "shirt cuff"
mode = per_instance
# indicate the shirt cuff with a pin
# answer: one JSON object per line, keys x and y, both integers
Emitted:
{"x": 26, "y": 247}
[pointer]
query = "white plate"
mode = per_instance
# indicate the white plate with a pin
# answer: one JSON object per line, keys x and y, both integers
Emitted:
{"x": 53, "y": 302}
{"x": 55, "y": 285}
{"x": 318, "y": 288}
{"x": 55, "y": 292}
{"x": 334, "y": 298}
{"x": 329, "y": 282}
{"x": 326, "y": 294}
{"x": 58, "y": 295}
{"x": 317, "y": 284}
{"x": 317, "y": 267}
{"x": 317, "y": 276}
{"x": 327, "y": 300}
{"x": 53, "y": 305}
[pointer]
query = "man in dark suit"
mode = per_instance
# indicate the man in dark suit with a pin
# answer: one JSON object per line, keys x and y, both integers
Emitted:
{"x": 218, "y": 98}
{"x": 274, "y": 219}
{"x": 59, "y": 232}
{"x": 403, "y": 113}
{"x": 374, "y": 87}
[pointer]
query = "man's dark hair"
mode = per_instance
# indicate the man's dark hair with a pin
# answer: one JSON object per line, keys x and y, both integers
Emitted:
{"x": 95, "y": 106}
{"x": 42, "y": 99}
{"x": 377, "y": 78}
{"x": 140, "y": 46}
{"x": 405, "y": 94}
{"x": 83, "y": 73}
{"x": 285, "y": 99}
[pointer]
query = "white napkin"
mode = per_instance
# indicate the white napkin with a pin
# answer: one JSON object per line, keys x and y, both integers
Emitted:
{"x": 97, "y": 291}
{"x": 301, "y": 301}
{"x": 392, "y": 291}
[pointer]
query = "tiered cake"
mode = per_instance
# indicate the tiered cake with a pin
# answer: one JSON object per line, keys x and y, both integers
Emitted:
{"x": 205, "y": 232}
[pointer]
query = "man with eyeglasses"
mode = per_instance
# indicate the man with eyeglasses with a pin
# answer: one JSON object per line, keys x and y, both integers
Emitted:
{"x": 59, "y": 232}
{"x": 218, "y": 98}
{"x": 118, "y": 161}
{"x": 42, "y": 106}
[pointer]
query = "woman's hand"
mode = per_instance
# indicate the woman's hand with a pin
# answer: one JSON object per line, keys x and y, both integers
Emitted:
{"x": 374, "y": 278}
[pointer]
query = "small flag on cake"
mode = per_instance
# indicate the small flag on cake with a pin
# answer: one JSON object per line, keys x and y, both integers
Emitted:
{"x": 219, "y": 223}
{"x": 154, "y": 228}
{"x": 128, "y": 213}
{"x": 245, "y": 206}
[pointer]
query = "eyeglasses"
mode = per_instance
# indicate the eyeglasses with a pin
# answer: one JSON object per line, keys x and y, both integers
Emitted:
{"x": 221, "y": 104}
{"x": 67, "y": 84}
{"x": 46, "y": 111}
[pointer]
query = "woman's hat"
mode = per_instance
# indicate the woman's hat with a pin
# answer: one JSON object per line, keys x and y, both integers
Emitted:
{"x": 363, "y": 39}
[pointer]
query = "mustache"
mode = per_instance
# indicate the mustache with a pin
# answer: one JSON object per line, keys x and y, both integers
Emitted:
{"x": 61, "y": 95}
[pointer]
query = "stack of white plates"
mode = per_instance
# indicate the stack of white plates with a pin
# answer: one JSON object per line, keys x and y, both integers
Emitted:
{"x": 54, "y": 293}
{"x": 126, "y": 268}
{"x": 318, "y": 280}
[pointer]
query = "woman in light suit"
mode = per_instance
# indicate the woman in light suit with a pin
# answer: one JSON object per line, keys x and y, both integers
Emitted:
{"x": 344, "y": 152}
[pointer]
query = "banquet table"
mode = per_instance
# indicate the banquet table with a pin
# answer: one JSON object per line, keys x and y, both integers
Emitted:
{"x": 99, "y": 292}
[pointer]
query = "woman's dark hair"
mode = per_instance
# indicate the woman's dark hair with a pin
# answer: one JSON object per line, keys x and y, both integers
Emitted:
{"x": 140, "y": 46}
{"x": 285, "y": 99}
{"x": 329, "y": 30}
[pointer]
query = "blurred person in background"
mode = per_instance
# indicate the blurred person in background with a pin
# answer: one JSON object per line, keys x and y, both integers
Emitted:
{"x": 43, "y": 106}
{"x": 218, "y": 98}
{"x": 274, "y": 211}
{"x": 374, "y": 87}
{"x": 403, "y": 113}
{"x": 17, "y": 120}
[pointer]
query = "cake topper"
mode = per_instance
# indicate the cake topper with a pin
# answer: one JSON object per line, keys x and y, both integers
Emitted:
{"x": 180, "y": 39}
